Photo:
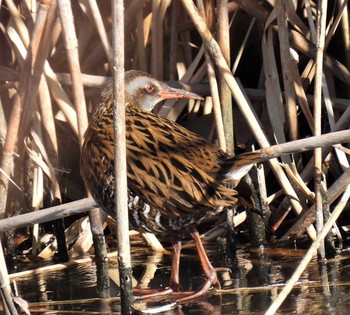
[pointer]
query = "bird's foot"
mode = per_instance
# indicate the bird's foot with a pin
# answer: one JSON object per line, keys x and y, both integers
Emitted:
{"x": 158, "y": 295}
{"x": 212, "y": 281}
{"x": 182, "y": 297}
{"x": 149, "y": 293}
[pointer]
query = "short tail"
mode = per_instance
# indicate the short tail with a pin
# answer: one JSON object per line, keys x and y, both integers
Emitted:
{"x": 239, "y": 165}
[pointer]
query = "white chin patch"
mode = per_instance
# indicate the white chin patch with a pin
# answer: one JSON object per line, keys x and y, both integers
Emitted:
{"x": 147, "y": 106}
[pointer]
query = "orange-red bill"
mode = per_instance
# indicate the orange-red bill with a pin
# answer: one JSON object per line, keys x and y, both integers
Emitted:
{"x": 170, "y": 93}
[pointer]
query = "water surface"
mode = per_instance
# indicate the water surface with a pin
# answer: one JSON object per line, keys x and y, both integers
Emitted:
{"x": 256, "y": 278}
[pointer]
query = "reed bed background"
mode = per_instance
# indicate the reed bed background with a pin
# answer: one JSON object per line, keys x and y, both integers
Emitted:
{"x": 290, "y": 90}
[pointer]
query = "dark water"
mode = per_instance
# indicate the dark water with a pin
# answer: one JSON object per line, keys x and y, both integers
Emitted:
{"x": 256, "y": 279}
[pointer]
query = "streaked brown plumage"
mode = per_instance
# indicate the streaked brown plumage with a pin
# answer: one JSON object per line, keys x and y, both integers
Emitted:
{"x": 175, "y": 178}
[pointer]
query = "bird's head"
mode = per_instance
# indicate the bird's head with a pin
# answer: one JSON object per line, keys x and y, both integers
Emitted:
{"x": 146, "y": 91}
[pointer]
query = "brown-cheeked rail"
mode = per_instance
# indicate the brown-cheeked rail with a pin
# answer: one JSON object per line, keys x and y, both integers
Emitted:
{"x": 175, "y": 178}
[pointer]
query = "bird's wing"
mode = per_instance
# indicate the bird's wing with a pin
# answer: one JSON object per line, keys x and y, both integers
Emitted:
{"x": 171, "y": 167}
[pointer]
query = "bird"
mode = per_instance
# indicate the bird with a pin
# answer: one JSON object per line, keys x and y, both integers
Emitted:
{"x": 176, "y": 179}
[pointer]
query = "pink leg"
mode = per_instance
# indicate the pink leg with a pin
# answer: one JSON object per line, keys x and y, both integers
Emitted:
{"x": 175, "y": 266}
{"x": 174, "y": 285}
{"x": 209, "y": 270}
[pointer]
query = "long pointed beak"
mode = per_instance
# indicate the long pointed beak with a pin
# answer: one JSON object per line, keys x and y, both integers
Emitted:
{"x": 168, "y": 93}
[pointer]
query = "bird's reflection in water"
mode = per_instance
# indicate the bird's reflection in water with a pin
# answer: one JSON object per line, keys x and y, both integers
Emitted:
{"x": 150, "y": 267}
{"x": 145, "y": 267}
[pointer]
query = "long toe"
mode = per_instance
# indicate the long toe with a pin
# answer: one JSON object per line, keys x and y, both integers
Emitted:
{"x": 146, "y": 294}
{"x": 211, "y": 281}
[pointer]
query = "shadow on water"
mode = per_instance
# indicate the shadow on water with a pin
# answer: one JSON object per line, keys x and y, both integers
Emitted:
{"x": 256, "y": 279}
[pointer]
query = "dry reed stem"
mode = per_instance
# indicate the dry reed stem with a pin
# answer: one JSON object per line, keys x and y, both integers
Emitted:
{"x": 38, "y": 181}
{"x": 141, "y": 42}
{"x": 297, "y": 180}
{"x": 61, "y": 99}
{"x": 274, "y": 99}
{"x": 119, "y": 156}
{"x": 214, "y": 92}
{"x": 320, "y": 44}
{"x": 345, "y": 32}
{"x": 48, "y": 214}
{"x": 325, "y": 141}
{"x": 224, "y": 91}
{"x": 107, "y": 47}
{"x": 302, "y": 98}
{"x": 18, "y": 22}
{"x": 70, "y": 40}
{"x": 48, "y": 121}
{"x": 220, "y": 132}
{"x": 310, "y": 20}
{"x": 88, "y": 80}
{"x": 44, "y": 162}
{"x": 287, "y": 65}
{"x": 157, "y": 41}
{"x": 174, "y": 40}
{"x": 244, "y": 43}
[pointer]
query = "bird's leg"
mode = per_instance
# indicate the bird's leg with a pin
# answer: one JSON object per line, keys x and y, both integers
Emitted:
{"x": 209, "y": 271}
{"x": 174, "y": 285}
{"x": 175, "y": 264}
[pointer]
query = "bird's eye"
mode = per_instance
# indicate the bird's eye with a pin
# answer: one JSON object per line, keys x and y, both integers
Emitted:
{"x": 149, "y": 88}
